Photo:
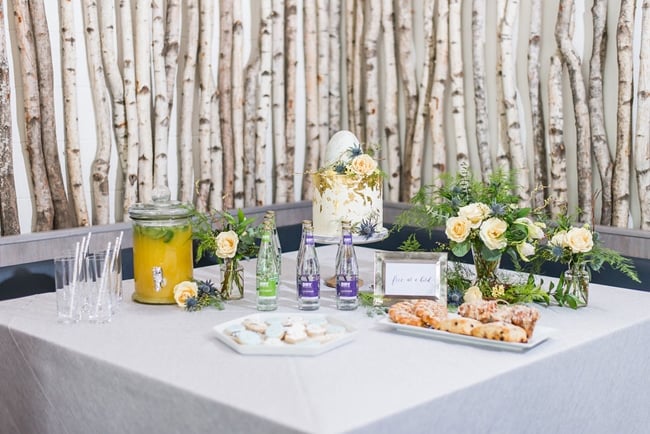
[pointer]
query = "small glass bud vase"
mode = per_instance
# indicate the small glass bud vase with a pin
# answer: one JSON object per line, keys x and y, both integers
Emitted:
{"x": 576, "y": 282}
{"x": 232, "y": 280}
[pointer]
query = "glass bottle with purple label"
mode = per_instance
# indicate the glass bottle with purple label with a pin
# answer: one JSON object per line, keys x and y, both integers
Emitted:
{"x": 347, "y": 271}
{"x": 308, "y": 270}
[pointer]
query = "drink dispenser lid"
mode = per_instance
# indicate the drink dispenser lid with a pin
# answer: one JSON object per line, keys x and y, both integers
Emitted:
{"x": 161, "y": 207}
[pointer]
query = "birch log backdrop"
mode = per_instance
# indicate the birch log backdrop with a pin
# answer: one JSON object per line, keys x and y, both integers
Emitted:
{"x": 230, "y": 103}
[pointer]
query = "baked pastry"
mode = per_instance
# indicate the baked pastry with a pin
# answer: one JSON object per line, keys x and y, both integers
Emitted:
{"x": 525, "y": 317}
{"x": 403, "y": 312}
{"x": 431, "y": 312}
{"x": 463, "y": 326}
{"x": 500, "y": 331}
{"x": 481, "y": 311}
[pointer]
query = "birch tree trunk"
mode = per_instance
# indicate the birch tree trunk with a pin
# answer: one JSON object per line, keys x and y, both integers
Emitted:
{"x": 251, "y": 102}
{"x": 350, "y": 42}
{"x": 113, "y": 78}
{"x": 225, "y": 102}
{"x": 357, "y": 92}
{"x": 480, "y": 99}
{"x": 143, "y": 97}
{"x": 131, "y": 107}
{"x": 373, "y": 23}
{"x": 456, "y": 82}
{"x": 599, "y": 140}
{"x": 334, "y": 66}
{"x": 414, "y": 181}
{"x": 511, "y": 104}
{"x": 406, "y": 70}
{"x": 536, "y": 107}
{"x": 172, "y": 44}
{"x": 437, "y": 102}
{"x": 502, "y": 154}
{"x": 238, "y": 103}
{"x": 44, "y": 211}
{"x": 621, "y": 175}
{"x": 264, "y": 105}
{"x": 187, "y": 103}
{"x": 202, "y": 197}
{"x": 63, "y": 217}
{"x": 71, "y": 120}
{"x": 161, "y": 104}
{"x": 278, "y": 106}
{"x": 583, "y": 129}
{"x": 101, "y": 163}
{"x": 642, "y": 143}
{"x": 557, "y": 150}
{"x": 312, "y": 148}
{"x": 9, "y": 221}
{"x": 391, "y": 121}
{"x": 216, "y": 156}
{"x": 323, "y": 73}
{"x": 291, "y": 32}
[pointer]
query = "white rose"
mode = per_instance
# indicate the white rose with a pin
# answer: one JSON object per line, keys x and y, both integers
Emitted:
{"x": 559, "y": 239}
{"x": 475, "y": 213}
{"x": 227, "y": 244}
{"x": 492, "y": 233}
{"x": 579, "y": 240}
{"x": 458, "y": 229}
{"x": 525, "y": 250}
{"x": 535, "y": 231}
{"x": 473, "y": 295}
{"x": 363, "y": 165}
{"x": 185, "y": 290}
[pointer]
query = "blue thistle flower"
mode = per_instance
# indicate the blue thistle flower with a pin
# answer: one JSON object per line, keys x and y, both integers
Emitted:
{"x": 557, "y": 251}
{"x": 454, "y": 297}
{"x": 340, "y": 167}
{"x": 367, "y": 227}
{"x": 498, "y": 209}
{"x": 355, "y": 151}
{"x": 192, "y": 304}
{"x": 206, "y": 287}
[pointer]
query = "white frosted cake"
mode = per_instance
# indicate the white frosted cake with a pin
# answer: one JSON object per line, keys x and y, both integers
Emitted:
{"x": 349, "y": 187}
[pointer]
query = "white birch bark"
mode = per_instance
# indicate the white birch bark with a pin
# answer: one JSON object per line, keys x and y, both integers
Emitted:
{"x": 173, "y": 20}
{"x": 457, "y": 82}
{"x": 621, "y": 175}
{"x": 391, "y": 121}
{"x": 131, "y": 107}
{"x": 536, "y": 107}
{"x": 349, "y": 17}
{"x": 291, "y": 57}
{"x": 334, "y": 75}
{"x": 238, "y": 103}
{"x": 251, "y": 101}
{"x": 101, "y": 163}
{"x": 264, "y": 105}
{"x": 599, "y": 141}
{"x": 558, "y": 181}
{"x": 225, "y": 102}
{"x": 406, "y": 69}
{"x": 70, "y": 113}
{"x": 371, "y": 37}
{"x": 9, "y": 220}
{"x": 202, "y": 197}
{"x": 143, "y": 97}
{"x": 357, "y": 91}
{"x": 216, "y": 156}
{"x": 323, "y": 73}
{"x": 437, "y": 101}
{"x": 161, "y": 103}
{"x": 414, "y": 181}
{"x": 312, "y": 148}
{"x": 278, "y": 103}
{"x": 186, "y": 176}
{"x": 642, "y": 143}
{"x": 511, "y": 104}
{"x": 480, "y": 97}
{"x": 502, "y": 153}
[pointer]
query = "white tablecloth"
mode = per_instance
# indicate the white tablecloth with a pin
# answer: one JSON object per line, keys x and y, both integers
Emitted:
{"x": 160, "y": 369}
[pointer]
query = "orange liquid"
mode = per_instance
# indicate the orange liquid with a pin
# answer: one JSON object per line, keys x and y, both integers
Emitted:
{"x": 166, "y": 247}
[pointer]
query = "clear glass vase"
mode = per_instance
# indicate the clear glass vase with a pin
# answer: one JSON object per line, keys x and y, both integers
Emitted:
{"x": 486, "y": 269}
{"x": 576, "y": 283}
{"x": 232, "y": 280}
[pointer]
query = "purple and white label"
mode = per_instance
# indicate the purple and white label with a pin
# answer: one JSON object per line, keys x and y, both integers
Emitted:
{"x": 309, "y": 288}
{"x": 347, "y": 239}
{"x": 347, "y": 288}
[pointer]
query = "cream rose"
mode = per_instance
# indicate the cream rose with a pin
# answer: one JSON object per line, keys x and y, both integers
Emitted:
{"x": 525, "y": 250}
{"x": 579, "y": 240}
{"x": 473, "y": 295}
{"x": 363, "y": 165}
{"x": 227, "y": 244}
{"x": 475, "y": 213}
{"x": 458, "y": 229}
{"x": 559, "y": 239}
{"x": 185, "y": 290}
{"x": 492, "y": 233}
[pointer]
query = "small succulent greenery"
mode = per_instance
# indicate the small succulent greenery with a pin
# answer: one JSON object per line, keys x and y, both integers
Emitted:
{"x": 207, "y": 295}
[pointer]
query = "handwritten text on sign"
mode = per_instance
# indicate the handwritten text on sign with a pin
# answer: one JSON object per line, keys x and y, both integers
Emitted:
{"x": 412, "y": 278}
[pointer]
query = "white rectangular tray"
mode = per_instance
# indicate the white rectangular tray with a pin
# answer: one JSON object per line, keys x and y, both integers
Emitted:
{"x": 540, "y": 335}
{"x": 309, "y": 347}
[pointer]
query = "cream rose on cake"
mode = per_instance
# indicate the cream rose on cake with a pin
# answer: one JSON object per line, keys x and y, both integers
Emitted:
{"x": 363, "y": 165}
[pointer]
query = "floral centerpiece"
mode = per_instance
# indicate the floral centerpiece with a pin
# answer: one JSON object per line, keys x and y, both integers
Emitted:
{"x": 579, "y": 247}
{"x": 486, "y": 220}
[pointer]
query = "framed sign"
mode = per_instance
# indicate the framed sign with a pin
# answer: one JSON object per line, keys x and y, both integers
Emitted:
{"x": 404, "y": 275}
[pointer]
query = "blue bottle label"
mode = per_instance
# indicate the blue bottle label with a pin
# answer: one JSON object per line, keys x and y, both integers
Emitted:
{"x": 309, "y": 288}
{"x": 347, "y": 288}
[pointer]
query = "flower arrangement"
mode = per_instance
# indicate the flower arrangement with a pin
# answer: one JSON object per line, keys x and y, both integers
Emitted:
{"x": 580, "y": 248}
{"x": 195, "y": 295}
